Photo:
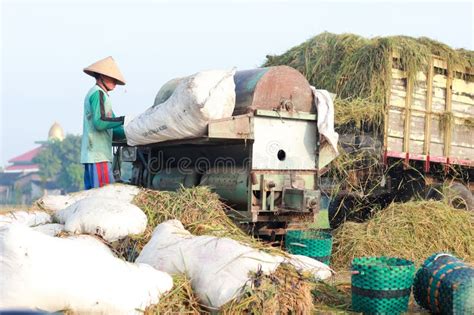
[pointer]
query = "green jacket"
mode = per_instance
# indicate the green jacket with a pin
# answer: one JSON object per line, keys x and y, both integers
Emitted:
{"x": 99, "y": 127}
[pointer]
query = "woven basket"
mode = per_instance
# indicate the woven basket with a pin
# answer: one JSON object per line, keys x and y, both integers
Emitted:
{"x": 312, "y": 243}
{"x": 445, "y": 284}
{"x": 381, "y": 284}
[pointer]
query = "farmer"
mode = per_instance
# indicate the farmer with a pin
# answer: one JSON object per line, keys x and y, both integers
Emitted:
{"x": 100, "y": 124}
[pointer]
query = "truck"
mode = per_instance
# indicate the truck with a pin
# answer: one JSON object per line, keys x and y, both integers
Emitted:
{"x": 423, "y": 147}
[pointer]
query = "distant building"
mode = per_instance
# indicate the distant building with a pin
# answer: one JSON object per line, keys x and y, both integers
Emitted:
{"x": 24, "y": 162}
{"x": 20, "y": 181}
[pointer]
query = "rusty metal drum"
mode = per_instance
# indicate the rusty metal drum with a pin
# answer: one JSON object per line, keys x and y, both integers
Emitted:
{"x": 272, "y": 88}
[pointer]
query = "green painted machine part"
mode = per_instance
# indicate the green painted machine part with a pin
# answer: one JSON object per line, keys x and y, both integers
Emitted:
{"x": 173, "y": 179}
{"x": 231, "y": 185}
{"x": 296, "y": 199}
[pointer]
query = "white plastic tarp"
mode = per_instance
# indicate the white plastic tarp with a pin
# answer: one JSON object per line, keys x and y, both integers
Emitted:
{"x": 325, "y": 107}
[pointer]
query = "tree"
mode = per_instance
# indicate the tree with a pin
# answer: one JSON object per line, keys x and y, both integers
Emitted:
{"x": 59, "y": 161}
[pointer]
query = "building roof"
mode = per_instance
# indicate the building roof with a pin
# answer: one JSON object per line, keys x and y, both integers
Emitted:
{"x": 26, "y": 157}
{"x": 22, "y": 168}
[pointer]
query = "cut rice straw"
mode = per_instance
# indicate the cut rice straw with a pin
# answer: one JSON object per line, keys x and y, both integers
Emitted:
{"x": 202, "y": 213}
{"x": 199, "y": 210}
{"x": 180, "y": 300}
{"x": 286, "y": 291}
{"x": 413, "y": 230}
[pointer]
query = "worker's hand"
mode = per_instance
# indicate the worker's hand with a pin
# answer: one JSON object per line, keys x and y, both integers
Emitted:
{"x": 118, "y": 134}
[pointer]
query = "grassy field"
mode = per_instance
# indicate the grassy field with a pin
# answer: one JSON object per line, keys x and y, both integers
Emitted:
{"x": 322, "y": 221}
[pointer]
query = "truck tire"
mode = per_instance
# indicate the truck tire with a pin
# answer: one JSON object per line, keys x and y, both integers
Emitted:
{"x": 352, "y": 208}
{"x": 434, "y": 192}
{"x": 457, "y": 195}
{"x": 337, "y": 212}
{"x": 409, "y": 186}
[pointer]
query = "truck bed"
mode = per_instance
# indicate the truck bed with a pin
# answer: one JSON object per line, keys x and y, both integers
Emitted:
{"x": 431, "y": 117}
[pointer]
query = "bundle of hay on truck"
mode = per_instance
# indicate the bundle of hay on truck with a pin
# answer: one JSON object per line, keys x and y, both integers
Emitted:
{"x": 405, "y": 115}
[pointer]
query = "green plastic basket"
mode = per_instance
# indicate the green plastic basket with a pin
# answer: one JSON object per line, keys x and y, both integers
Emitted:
{"x": 381, "y": 284}
{"x": 312, "y": 243}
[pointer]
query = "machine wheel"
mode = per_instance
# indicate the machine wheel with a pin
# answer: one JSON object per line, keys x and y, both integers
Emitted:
{"x": 456, "y": 194}
{"x": 356, "y": 209}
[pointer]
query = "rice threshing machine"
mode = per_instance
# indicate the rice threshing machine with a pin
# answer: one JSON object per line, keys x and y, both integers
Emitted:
{"x": 262, "y": 161}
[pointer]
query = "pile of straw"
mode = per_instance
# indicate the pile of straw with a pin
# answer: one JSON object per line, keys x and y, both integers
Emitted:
{"x": 286, "y": 291}
{"x": 331, "y": 297}
{"x": 199, "y": 210}
{"x": 202, "y": 213}
{"x": 180, "y": 300}
{"x": 412, "y": 230}
{"x": 358, "y": 69}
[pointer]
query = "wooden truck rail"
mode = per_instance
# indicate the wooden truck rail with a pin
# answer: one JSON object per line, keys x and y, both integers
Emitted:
{"x": 430, "y": 118}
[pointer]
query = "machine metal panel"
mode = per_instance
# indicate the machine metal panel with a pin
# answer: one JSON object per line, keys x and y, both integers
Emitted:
{"x": 301, "y": 199}
{"x": 284, "y": 144}
{"x": 235, "y": 127}
{"x": 285, "y": 114}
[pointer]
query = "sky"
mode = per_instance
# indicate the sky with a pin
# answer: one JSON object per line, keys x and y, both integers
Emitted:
{"x": 46, "y": 44}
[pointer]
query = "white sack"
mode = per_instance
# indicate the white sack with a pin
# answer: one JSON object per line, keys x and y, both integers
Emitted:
{"x": 55, "y": 202}
{"x": 167, "y": 90}
{"x": 197, "y": 99}
{"x": 325, "y": 108}
{"x": 319, "y": 270}
{"x": 51, "y": 229}
{"x": 41, "y": 272}
{"x": 29, "y": 218}
{"x": 218, "y": 267}
{"x": 93, "y": 243}
{"x": 113, "y": 219}
{"x": 122, "y": 192}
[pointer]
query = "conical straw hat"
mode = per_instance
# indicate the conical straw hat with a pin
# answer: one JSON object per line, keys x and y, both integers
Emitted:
{"x": 108, "y": 67}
